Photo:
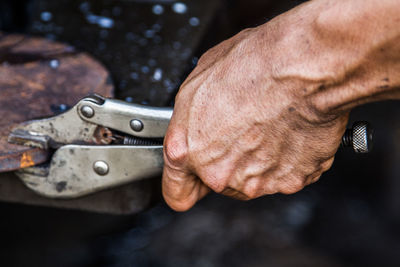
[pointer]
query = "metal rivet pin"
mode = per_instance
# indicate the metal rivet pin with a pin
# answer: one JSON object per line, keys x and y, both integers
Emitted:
{"x": 87, "y": 111}
{"x": 136, "y": 125}
{"x": 101, "y": 168}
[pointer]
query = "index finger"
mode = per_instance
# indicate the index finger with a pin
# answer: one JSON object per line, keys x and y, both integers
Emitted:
{"x": 181, "y": 188}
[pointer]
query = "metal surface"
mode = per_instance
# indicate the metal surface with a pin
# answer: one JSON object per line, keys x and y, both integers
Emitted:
{"x": 359, "y": 137}
{"x": 38, "y": 78}
{"x": 133, "y": 64}
{"x": 127, "y": 199}
{"x": 78, "y": 169}
{"x": 136, "y": 125}
{"x": 87, "y": 111}
{"x": 75, "y": 166}
{"x": 362, "y": 137}
{"x": 101, "y": 167}
{"x": 116, "y": 114}
{"x": 73, "y": 176}
{"x": 67, "y": 128}
{"x": 73, "y": 127}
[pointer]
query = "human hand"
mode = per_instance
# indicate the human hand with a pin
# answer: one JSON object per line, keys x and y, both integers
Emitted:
{"x": 256, "y": 117}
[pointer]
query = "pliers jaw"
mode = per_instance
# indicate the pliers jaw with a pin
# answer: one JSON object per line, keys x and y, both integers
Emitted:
{"x": 78, "y": 170}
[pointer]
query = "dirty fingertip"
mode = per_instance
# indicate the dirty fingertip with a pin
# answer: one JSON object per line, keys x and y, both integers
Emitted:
{"x": 182, "y": 192}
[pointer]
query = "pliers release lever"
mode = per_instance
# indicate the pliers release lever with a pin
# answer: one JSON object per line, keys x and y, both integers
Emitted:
{"x": 101, "y": 143}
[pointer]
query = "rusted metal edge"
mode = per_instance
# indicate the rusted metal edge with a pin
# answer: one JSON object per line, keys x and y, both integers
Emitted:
{"x": 38, "y": 79}
{"x": 27, "y": 158}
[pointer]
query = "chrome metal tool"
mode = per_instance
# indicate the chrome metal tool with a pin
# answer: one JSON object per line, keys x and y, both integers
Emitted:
{"x": 101, "y": 143}
{"x": 359, "y": 137}
{"x": 98, "y": 144}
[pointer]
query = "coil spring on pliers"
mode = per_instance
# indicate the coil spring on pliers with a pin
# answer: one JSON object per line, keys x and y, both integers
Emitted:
{"x": 134, "y": 141}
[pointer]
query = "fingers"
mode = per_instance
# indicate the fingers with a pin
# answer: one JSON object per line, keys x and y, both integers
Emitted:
{"x": 230, "y": 192}
{"x": 313, "y": 178}
{"x": 324, "y": 167}
{"x": 181, "y": 188}
{"x": 327, "y": 164}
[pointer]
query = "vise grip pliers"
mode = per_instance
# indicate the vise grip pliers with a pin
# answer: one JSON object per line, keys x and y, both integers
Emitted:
{"x": 101, "y": 143}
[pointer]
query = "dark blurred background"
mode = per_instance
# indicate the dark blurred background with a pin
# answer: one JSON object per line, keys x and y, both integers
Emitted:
{"x": 351, "y": 217}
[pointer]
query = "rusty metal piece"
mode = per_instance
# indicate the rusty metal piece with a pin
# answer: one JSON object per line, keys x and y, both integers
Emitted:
{"x": 103, "y": 136}
{"x": 26, "y": 138}
{"x": 37, "y": 78}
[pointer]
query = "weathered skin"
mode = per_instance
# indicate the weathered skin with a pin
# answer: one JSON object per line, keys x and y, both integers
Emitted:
{"x": 264, "y": 111}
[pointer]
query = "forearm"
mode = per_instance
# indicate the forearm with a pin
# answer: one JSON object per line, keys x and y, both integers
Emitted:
{"x": 346, "y": 53}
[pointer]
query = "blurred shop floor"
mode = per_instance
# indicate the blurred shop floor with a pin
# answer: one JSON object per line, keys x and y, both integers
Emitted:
{"x": 351, "y": 217}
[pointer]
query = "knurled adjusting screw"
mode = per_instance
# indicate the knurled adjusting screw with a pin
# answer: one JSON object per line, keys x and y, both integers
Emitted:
{"x": 359, "y": 137}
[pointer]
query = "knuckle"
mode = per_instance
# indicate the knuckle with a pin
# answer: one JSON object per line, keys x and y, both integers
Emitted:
{"x": 252, "y": 188}
{"x": 327, "y": 164}
{"x": 316, "y": 177}
{"x": 218, "y": 183}
{"x": 209, "y": 56}
{"x": 269, "y": 186}
{"x": 251, "y": 194}
{"x": 175, "y": 150}
{"x": 215, "y": 177}
{"x": 292, "y": 185}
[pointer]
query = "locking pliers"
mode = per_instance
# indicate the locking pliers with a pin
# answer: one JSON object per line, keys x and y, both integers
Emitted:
{"x": 98, "y": 144}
